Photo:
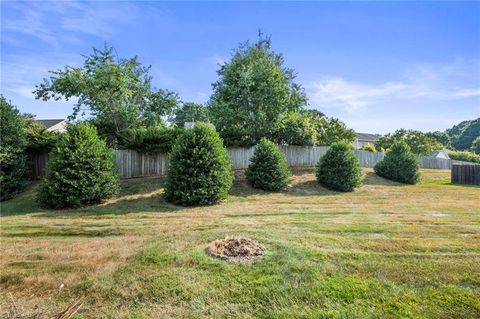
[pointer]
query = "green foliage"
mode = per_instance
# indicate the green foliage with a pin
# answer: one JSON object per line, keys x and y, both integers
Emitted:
{"x": 419, "y": 143}
{"x": 152, "y": 139}
{"x": 308, "y": 127}
{"x": 295, "y": 128}
{"x": 476, "y": 145}
{"x": 464, "y": 156}
{"x": 190, "y": 112}
{"x": 399, "y": 164}
{"x": 268, "y": 169}
{"x": 81, "y": 171}
{"x": 40, "y": 140}
{"x": 13, "y": 169}
{"x": 440, "y": 137}
{"x": 253, "y": 89}
{"x": 332, "y": 130}
{"x": 118, "y": 94}
{"x": 463, "y": 134}
{"x": 368, "y": 148}
{"x": 339, "y": 169}
{"x": 200, "y": 171}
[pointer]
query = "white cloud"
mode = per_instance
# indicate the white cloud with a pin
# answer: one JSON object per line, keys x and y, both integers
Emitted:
{"x": 44, "y": 20}
{"x": 339, "y": 92}
{"x": 454, "y": 81}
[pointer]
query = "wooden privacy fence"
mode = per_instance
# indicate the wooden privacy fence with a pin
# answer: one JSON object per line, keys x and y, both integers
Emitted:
{"x": 466, "y": 174}
{"x": 298, "y": 156}
{"x": 131, "y": 163}
{"x": 38, "y": 164}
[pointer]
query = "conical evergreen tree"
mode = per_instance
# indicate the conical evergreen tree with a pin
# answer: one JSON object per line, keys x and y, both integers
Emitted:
{"x": 268, "y": 168}
{"x": 339, "y": 169}
{"x": 399, "y": 164}
{"x": 81, "y": 172}
{"x": 200, "y": 171}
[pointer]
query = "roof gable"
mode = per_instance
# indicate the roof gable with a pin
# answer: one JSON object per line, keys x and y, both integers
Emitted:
{"x": 50, "y": 122}
{"x": 367, "y": 136}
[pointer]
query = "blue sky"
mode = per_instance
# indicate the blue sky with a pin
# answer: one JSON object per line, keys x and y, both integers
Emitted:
{"x": 378, "y": 66}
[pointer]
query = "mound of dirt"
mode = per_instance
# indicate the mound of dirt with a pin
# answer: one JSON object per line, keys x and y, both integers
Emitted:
{"x": 236, "y": 249}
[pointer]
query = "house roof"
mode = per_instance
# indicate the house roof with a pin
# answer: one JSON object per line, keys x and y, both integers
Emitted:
{"x": 50, "y": 122}
{"x": 443, "y": 152}
{"x": 367, "y": 136}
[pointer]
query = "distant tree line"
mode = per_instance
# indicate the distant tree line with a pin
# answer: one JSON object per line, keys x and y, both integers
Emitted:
{"x": 464, "y": 136}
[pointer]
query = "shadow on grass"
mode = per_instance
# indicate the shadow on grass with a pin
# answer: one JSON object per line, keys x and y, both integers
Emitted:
{"x": 373, "y": 179}
{"x": 136, "y": 196}
{"x": 145, "y": 195}
{"x": 23, "y": 203}
{"x": 301, "y": 185}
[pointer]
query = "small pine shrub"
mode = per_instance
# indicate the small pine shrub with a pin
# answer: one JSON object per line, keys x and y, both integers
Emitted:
{"x": 81, "y": 172}
{"x": 368, "y": 148}
{"x": 13, "y": 160}
{"x": 268, "y": 169}
{"x": 339, "y": 169}
{"x": 200, "y": 171}
{"x": 399, "y": 164}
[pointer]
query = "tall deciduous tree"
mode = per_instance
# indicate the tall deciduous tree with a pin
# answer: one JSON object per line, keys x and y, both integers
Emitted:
{"x": 440, "y": 137}
{"x": 190, "y": 112}
{"x": 295, "y": 128}
{"x": 331, "y": 130}
{"x": 253, "y": 89}
{"x": 116, "y": 92}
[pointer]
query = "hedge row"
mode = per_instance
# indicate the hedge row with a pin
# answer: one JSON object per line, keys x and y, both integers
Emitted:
{"x": 82, "y": 170}
{"x": 464, "y": 156}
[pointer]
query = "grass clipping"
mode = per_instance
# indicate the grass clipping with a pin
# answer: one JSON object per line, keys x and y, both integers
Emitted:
{"x": 236, "y": 249}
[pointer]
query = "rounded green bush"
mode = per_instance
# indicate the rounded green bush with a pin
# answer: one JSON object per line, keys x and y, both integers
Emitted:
{"x": 81, "y": 172}
{"x": 268, "y": 169}
{"x": 200, "y": 171}
{"x": 399, "y": 164}
{"x": 339, "y": 169}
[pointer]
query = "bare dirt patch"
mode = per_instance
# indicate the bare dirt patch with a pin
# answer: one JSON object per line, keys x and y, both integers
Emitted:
{"x": 236, "y": 249}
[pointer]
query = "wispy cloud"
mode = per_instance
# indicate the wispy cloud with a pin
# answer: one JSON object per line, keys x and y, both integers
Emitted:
{"x": 44, "y": 22}
{"x": 30, "y": 22}
{"x": 334, "y": 91}
{"x": 20, "y": 74}
{"x": 453, "y": 81}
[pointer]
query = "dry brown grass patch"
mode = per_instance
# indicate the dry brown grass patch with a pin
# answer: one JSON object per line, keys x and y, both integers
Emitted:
{"x": 236, "y": 249}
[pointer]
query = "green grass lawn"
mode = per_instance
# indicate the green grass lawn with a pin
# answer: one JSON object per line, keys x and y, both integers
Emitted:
{"x": 384, "y": 251}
